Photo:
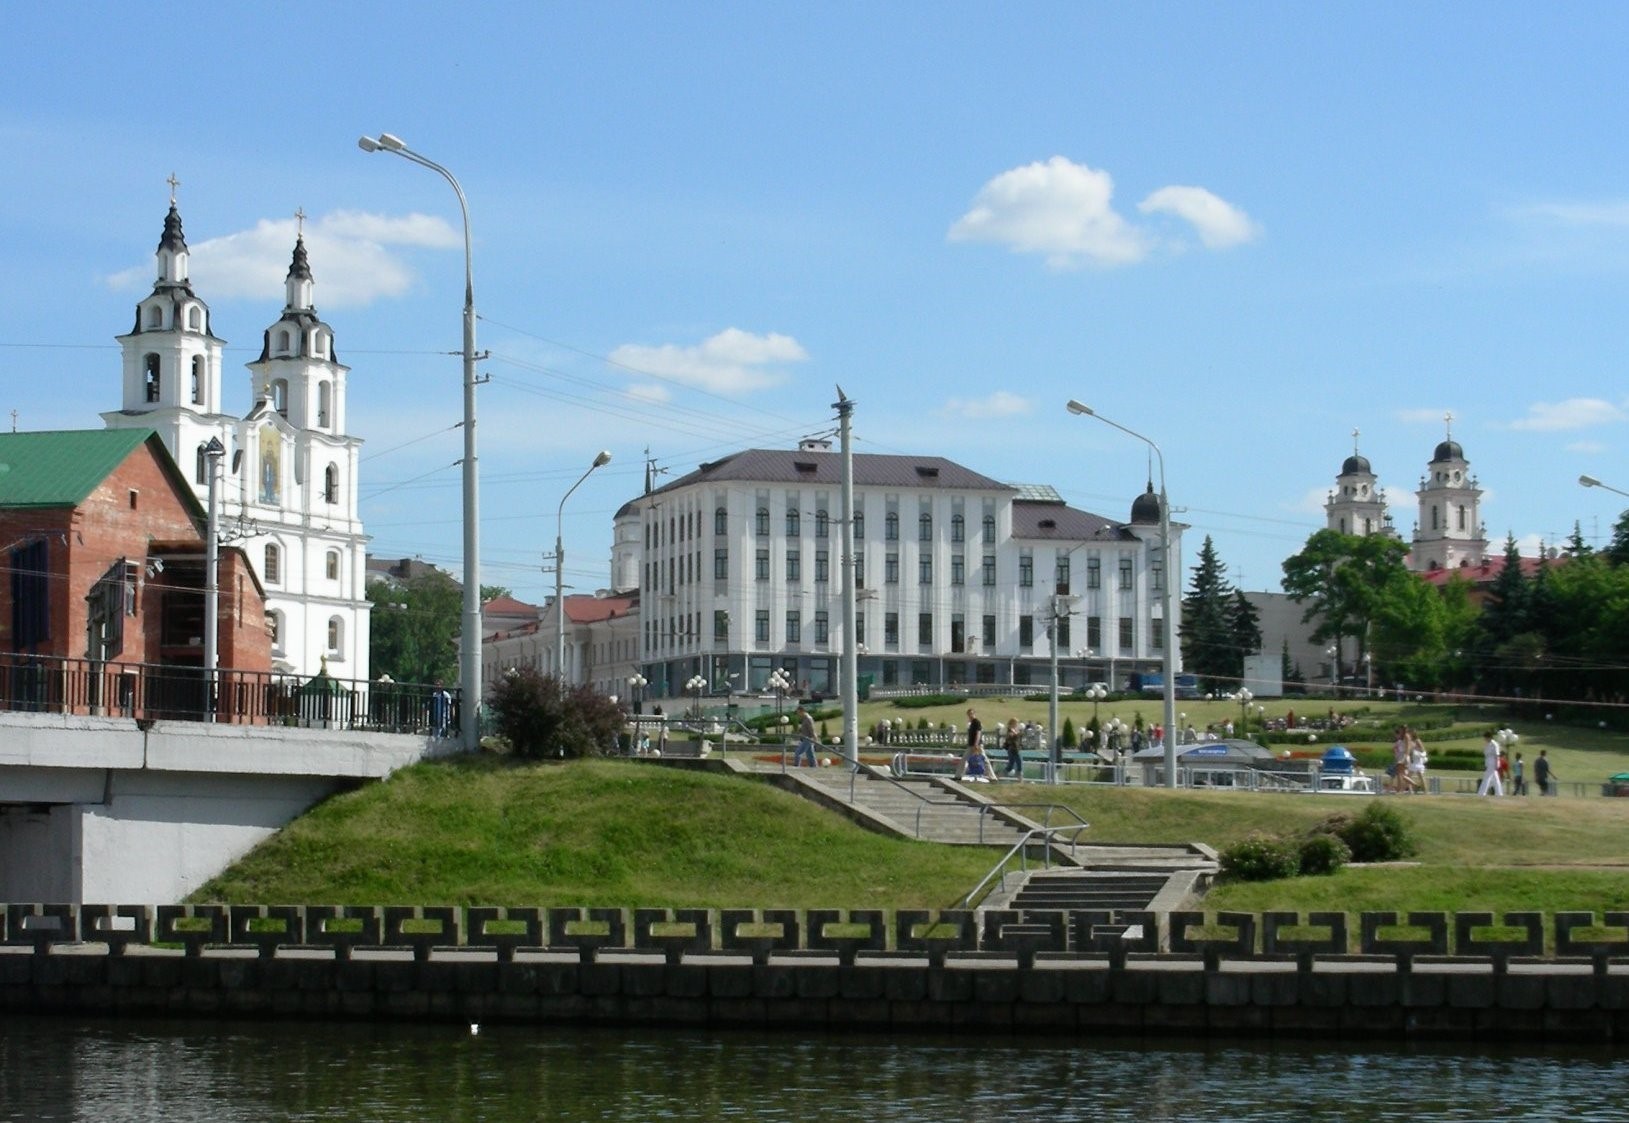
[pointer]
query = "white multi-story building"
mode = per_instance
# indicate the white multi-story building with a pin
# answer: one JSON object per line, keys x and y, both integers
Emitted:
{"x": 289, "y": 473}
{"x": 958, "y": 576}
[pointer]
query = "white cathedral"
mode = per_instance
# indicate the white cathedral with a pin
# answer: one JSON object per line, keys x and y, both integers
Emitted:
{"x": 1448, "y": 533}
{"x": 289, "y": 475}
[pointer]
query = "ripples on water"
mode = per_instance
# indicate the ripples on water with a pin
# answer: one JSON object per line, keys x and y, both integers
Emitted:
{"x": 190, "y": 1072}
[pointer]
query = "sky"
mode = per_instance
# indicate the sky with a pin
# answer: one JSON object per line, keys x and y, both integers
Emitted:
{"x": 1241, "y": 230}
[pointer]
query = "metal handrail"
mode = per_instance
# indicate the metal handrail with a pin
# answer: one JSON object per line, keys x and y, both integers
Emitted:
{"x": 1021, "y": 849}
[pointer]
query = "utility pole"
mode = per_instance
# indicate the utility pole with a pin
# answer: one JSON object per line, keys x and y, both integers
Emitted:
{"x": 850, "y": 671}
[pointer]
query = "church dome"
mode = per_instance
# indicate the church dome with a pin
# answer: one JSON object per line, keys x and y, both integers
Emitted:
{"x": 1146, "y": 507}
{"x": 1356, "y": 464}
{"x": 1448, "y": 450}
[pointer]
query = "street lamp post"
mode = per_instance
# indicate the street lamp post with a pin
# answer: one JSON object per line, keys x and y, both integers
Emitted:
{"x": 600, "y": 461}
{"x": 780, "y": 683}
{"x": 1243, "y": 697}
{"x": 696, "y": 685}
{"x": 636, "y": 690}
{"x": 1096, "y": 693}
{"x": 1591, "y": 481}
{"x": 214, "y": 451}
{"x": 1168, "y": 624}
{"x": 470, "y": 636}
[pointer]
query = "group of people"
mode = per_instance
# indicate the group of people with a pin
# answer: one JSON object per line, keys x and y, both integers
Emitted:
{"x": 975, "y": 765}
{"x": 1407, "y": 771}
{"x": 1497, "y": 767}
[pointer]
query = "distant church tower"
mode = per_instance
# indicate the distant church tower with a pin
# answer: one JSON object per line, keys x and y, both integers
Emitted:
{"x": 288, "y": 486}
{"x": 1449, "y": 533}
{"x": 1356, "y": 505}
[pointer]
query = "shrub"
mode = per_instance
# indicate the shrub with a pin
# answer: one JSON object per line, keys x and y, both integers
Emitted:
{"x": 1379, "y": 834}
{"x": 1323, "y": 854}
{"x": 925, "y": 701}
{"x": 1260, "y": 858}
{"x": 1070, "y": 739}
{"x": 541, "y": 717}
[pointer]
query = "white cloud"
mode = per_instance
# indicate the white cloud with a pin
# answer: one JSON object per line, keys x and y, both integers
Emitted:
{"x": 1311, "y": 502}
{"x": 1219, "y": 223}
{"x": 1613, "y": 213}
{"x": 1060, "y": 209}
{"x": 1574, "y": 413}
{"x": 1002, "y": 403}
{"x": 1065, "y": 212}
{"x": 1421, "y": 416}
{"x": 1589, "y": 447}
{"x": 731, "y": 362}
{"x": 650, "y": 392}
{"x": 354, "y": 258}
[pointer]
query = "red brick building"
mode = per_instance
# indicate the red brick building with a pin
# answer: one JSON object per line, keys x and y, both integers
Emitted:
{"x": 102, "y": 543}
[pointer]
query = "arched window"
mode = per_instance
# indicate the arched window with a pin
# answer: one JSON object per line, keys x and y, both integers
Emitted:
{"x": 152, "y": 382}
{"x": 320, "y": 346}
{"x": 279, "y": 396}
{"x": 155, "y": 317}
{"x": 958, "y": 528}
{"x": 324, "y": 395}
{"x": 330, "y": 484}
{"x": 282, "y": 343}
{"x": 274, "y": 628}
{"x": 763, "y": 522}
{"x": 197, "y": 379}
{"x": 200, "y": 471}
{"x": 333, "y": 565}
{"x": 195, "y": 319}
{"x": 989, "y": 529}
{"x": 924, "y": 527}
{"x": 336, "y": 638}
{"x": 273, "y": 556}
{"x": 721, "y": 521}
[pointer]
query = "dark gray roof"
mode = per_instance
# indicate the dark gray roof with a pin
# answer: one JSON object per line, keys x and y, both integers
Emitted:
{"x": 797, "y": 466}
{"x": 1062, "y": 522}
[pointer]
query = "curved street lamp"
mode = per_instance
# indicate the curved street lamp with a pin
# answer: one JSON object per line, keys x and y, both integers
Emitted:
{"x": 1171, "y": 575}
{"x": 470, "y": 636}
{"x": 600, "y": 461}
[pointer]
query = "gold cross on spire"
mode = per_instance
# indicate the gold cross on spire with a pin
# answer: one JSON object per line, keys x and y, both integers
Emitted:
{"x": 1448, "y": 421}
{"x": 299, "y": 217}
{"x": 174, "y": 183}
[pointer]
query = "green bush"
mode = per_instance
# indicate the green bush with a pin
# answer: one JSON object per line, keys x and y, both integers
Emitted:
{"x": 541, "y": 717}
{"x": 1261, "y": 858}
{"x": 1323, "y": 854}
{"x": 925, "y": 701}
{"x": 1379, "y": 834}
{"x": 1070, "y": 738}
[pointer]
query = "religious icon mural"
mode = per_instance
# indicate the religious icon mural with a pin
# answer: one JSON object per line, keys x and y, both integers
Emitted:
{"x": 271, "y": 465}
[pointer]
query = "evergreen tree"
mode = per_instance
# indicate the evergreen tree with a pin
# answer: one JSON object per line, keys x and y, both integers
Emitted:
{"x": 1576, "y": 546}
{"x": 1618, "y": 552}
{"x": 1208, "y": 649}
{"x": 1243, "y": 627}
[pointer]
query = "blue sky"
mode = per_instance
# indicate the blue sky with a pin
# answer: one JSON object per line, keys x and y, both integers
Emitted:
{"x": 1243, "y": 230}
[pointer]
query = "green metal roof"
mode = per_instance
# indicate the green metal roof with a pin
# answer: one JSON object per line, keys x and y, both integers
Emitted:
{"x": 61, "y": 469}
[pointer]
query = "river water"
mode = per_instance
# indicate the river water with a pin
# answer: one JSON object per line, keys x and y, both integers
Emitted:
{"x": 186, "y": 1071}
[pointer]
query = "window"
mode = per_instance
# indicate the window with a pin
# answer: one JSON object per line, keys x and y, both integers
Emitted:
{"x": 155, "y": 317}
{"x": 151, "y": 379}
{"x": 890, "y": 526}
{"x": 794, "y": 566}
{"x": 721, "y": 521}
{"x": 989, "y": 570}
{"x": 958, "y": 633}
{"x": 1026, "y": 632}
{"x": 272, "y": 558}
{"x": 859, "y": 569}
{"x": 721, "y": 625}
{"x": 794, "y": 626}
{"x": 958, "y": 528}
{"x": 822, "y": 566}
{"x": 1461, "y": 517}
{"x": 761, "y": 522}
{"x": 1126, "y": 574}
{"x": 822, "y": 626}
{"x": 195, "y": 319}
{"x": 1026, "y": 570}
{"x": 1094, "y": 632}
{"x": 200, "y": 470}
{"x": 324, "y": 400}
{"x": 1061, "y": 576}
{"x": 274, "y": 628}
{"x": 760, "y": 625}
{"x": 924, "y": 629}
{"x": 761, "y": 565}
{"x": 330, "y": 484}
{"x": 890, "y": 629}
{"x": 721, "y": 564}
{"x": 890, "y": 569}
{"x": 279, "y": 397}
{"x": 282, "y": 343}
{"x": 336, "y": 637}
{"x": 1128, "y": 639}
{"x": 793, "y": 522}
{"x": 989, "y": 530}
{"x": 822, "y": 523}
{"x": 1156, "y": 575}
{"x": 1094, "y": 572}
{"x": 958, "y": 570}
{"x": 30, "y": 595}
{"x": 988, "y": 638}
{"x": 859, "y": 627}
{"x": 1156, "y": 634}
{"x": 924, "y": 569}
{"x": 859, "y": 520}
{"x": 924, "y": 527}
{"x": 1063, "y": 633}
{"x": 331, "y": 565}
{"x": 197, "y": 377}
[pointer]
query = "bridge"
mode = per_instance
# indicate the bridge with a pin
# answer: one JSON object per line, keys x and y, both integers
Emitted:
{"x": 130, "y": 782}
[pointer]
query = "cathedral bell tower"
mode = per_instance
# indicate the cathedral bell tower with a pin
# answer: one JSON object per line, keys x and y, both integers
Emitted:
{"x": 1357, "y": 505}
{"x": 1449, "y": 534}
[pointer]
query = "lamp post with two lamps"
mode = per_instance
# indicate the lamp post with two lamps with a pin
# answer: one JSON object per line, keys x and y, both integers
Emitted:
{"x": 600, "y": 461}
{"x": 470, "y": 635}
{"x": 695, "y": 686}
{"x": 1171, "y": 574}
{"x": 636, "y": 691}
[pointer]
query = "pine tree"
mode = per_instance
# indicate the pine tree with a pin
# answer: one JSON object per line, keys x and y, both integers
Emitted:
{"x": 1208, "y": 647}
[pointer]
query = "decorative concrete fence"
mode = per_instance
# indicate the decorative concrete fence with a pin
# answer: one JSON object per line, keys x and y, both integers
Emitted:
{"x": 1562, "y": 977}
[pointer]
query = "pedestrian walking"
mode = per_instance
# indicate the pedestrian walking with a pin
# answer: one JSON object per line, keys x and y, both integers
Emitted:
{"x": 1544, "y": 775}
{"x": 1518, "y": 782}
{"x": 806, "y": 739}
{"x": 1490, "y": 767}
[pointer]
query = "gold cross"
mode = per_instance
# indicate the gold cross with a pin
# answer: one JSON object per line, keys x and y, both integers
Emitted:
{"x": 299, "y": 215}
{"x": 174, "y": 183}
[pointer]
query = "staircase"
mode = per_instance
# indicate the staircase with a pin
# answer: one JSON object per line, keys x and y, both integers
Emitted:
{"x": 932, "y": 810}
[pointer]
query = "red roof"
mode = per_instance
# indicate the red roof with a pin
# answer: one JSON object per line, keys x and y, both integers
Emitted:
{"x": 591, "y": 610}
{"x": 1488, "y": 571}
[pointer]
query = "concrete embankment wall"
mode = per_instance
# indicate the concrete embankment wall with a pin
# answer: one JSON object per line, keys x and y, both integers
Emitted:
{"x": 921, "y": 970}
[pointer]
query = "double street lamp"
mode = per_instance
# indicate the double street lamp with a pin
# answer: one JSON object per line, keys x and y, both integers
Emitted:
{"x": 636, "y": 691}
{"x": 695, "y": 686}
{"x": 1170, "y": 575}
{"x": 470, "y": 636}
{"x": 600, "y": 461}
